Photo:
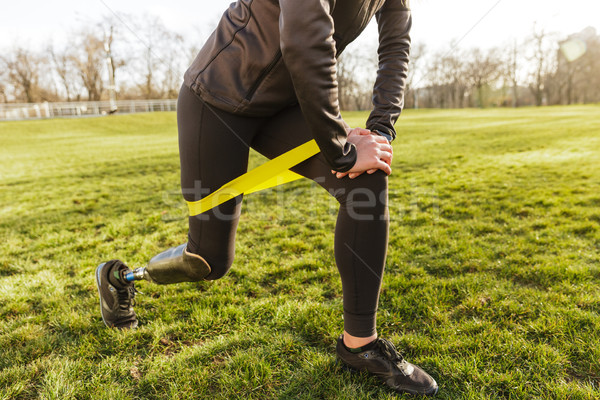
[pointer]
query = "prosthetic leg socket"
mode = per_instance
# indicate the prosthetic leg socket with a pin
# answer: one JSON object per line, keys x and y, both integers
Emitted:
{"x": 173, "y": 266}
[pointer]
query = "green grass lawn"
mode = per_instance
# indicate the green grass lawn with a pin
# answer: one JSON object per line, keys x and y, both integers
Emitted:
{"x": 492, "y": 282}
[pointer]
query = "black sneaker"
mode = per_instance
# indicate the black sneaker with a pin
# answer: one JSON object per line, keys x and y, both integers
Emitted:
{"x": 384, "y": 361}
{"x": 116, "y": 295}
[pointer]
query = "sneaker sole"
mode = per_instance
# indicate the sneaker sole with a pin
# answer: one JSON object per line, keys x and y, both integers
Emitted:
{"x": 349, "y": 368}
{"x": 100, "y": 294}
{"x": 432, "y": 392}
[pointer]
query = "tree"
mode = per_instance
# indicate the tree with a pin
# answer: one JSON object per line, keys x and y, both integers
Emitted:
{"x": 173, "y": 63}
{"x": 3, "y": 85}
{"x": 591, "y": 71}
{"x": 63, "y": 63}
{"x": 578, "y": 67}
{"x": 510, "y": 72}
{"x": 540, "y": 57}
{"x": 446, "y": 78}
{"x": 455, "y": 76}
{"x": 482, "y": 69}
{"x": 117, "y": 50}
{"x": 417, "y": 53}
{"x": 355, "y": 76}
{"x": 163, "y": 57}
{"x": 23, "y": 69}
{"x": 89, "y": 62}
{"x": 3, "y": 94}
{"x": 111, "y": 66}
{"x": 152, "y": 33}
{"x": 348, "y": 83}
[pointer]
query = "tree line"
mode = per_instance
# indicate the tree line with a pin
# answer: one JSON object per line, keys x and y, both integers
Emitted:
{"x": 542, "y": 69}
{"x": 143, "y": 59}
{"x": 139, "y": 59}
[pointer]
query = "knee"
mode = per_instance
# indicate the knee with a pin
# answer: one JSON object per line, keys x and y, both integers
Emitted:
{"x": 368, "y": 191}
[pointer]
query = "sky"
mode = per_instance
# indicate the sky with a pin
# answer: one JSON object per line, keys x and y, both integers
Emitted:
{"x": 481, "y": 23}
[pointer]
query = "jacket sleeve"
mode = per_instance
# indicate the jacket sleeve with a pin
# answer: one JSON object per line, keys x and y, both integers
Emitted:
{"x": 394, "y": 21}
{"x": 308, "y": 50}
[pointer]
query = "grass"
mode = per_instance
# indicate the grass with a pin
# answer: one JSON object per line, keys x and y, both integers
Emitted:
{"x": 492, "y": 281}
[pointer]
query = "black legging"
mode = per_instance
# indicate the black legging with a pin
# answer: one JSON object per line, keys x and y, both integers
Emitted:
{"x": 214, "y": 147}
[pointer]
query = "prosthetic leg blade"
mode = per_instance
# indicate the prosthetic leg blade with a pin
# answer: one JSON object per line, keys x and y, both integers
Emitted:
{"x": 173, "y": 266}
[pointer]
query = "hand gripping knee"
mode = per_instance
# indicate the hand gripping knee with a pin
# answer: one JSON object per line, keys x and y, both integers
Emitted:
{"x": 173, "y": 266}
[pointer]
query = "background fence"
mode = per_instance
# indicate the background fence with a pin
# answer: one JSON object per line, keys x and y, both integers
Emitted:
{"x": 82, "y": 108}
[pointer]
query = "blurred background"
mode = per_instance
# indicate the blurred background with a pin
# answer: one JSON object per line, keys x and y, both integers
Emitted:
{"x": 466, "y": 53}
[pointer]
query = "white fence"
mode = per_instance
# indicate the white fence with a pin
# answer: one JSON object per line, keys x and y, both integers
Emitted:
{"x": 81, "y": 108}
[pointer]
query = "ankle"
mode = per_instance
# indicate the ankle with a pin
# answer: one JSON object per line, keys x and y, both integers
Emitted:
{"x": 353, "y": 342}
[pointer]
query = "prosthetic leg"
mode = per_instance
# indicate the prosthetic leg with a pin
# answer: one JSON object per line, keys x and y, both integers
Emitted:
{"x": 172, "y": 266}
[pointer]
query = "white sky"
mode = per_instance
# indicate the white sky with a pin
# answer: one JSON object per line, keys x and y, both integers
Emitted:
{"x": 436, "y": 22}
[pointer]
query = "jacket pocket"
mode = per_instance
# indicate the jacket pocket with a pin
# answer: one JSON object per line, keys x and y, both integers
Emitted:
{"x": 262, "y": 75}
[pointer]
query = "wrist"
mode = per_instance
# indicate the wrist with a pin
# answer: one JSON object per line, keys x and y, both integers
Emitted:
{"x": 384, "y": 134}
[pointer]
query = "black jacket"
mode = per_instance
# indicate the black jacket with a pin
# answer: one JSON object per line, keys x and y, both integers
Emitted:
{"x": 266, "y": 55}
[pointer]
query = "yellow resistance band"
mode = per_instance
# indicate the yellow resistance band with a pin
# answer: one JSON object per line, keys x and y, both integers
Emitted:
{"x": 272, "y": 173}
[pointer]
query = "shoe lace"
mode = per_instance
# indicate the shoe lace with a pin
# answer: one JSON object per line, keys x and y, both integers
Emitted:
{"x": 126, "y": 297}
{"x": 390, "y": 352}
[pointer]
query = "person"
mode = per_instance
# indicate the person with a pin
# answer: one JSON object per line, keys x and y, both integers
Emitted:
{"x": 266, "y": 79}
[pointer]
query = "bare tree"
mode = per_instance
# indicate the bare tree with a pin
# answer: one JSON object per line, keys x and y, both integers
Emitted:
{"x": 3, "y": 94}
{"x": 568, "y": 72}
{"x": 3, "y": 84}
{"x": 89, "y": 62}
{"x": 63, "y": 62}
{"x": 118, "y": 51}
{"x": 173, "y": 63}
{"x": 541, "y": 58}
{"x": 579, "y": 67}
{"x": 446, "y": 78}
{"x": 356, "y": 69}
{"x": 111, "y": 66}
{"x": 482, "y": 69}
{"x": 152, "y": 32}
{"x": 23, "y": 70}
{"x": 591, "y": 61}
{"x": 165, "y": 58}
{"x": 511, "y": 70}
{"x": 348, "y": 84}
{"x": 417, "y": 54}
{"x": 435, "y": 80}
{"x": 456, "y": 77}
{"x": 193, "y": 43}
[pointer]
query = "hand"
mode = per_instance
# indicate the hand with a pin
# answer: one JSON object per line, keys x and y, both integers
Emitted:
{"x": 373, "y": 152}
